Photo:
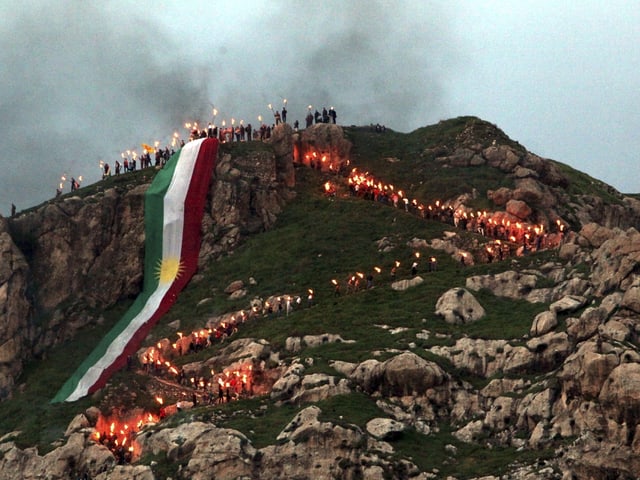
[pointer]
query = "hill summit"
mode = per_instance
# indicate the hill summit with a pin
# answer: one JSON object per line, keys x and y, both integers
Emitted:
{"x": 369, "y": 304}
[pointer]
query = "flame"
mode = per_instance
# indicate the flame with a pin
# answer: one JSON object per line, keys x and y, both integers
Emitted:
{"x": 115, "y": 432}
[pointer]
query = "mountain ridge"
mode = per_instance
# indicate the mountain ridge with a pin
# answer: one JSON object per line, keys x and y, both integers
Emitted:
{"x": 234, "y": 220}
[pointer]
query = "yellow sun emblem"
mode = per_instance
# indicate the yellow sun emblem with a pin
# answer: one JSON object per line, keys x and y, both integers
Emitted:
{"x": 169, "y": 269}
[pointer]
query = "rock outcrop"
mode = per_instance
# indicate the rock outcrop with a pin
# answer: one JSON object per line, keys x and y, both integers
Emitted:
{"x": 17, "y": 329}
{"x": 458, "y": 306}
{"x": 538, "y": 193}
{"x": 323, "y": 146}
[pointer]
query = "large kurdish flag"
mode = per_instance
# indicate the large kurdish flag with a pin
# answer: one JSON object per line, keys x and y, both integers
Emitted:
{"x": 174, "y": 205}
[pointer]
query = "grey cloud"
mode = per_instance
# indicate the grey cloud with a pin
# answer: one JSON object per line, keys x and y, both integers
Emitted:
{"x": 81, "y": 83}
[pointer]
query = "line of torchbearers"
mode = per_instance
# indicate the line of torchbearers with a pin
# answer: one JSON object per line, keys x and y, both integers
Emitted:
{"x": 496, "y": 225}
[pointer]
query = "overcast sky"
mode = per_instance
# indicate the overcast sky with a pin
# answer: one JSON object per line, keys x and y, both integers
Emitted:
{"x": 83, "y": 81}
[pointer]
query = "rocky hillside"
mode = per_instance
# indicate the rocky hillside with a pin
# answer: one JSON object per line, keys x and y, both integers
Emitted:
{"x": 522, "y": 364}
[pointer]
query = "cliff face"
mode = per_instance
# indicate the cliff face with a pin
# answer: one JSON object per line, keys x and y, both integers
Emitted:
{"x": 79, "y": 255}
{"x": 16, "y": 326}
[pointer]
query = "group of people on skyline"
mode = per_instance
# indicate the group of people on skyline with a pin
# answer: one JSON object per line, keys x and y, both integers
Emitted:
{"x": 327, "y": 116}
{"x": 131, "y": 162}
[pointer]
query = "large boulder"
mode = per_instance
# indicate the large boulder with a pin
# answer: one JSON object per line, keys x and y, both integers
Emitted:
{"x": 285, "y": 387}
{"x": 384, "y": 428}
{"x": 501, "y": 156}
{"x": 458, "y": 307}
{"x": 324, "y": 145}
{"x": 595, "y": 235}
{"x": 615, "y": 261}
{"x": 587, "y": 324}
{"x": 519, "y": 209}
{"x": 409, "y": 374}
{"x": 402, "y": 375}
{"x": 510, "y": 284}
{"x": 543, "y": 323}
{"x": 621, "y": 392}
{"x": 585, "y": 371}
{"x": 319, "y": 386}
{"x": 549, "y": 350}
{"x": 500, "y": 197}
{"x": 631, "y": 298}
{"x": 533, "y": 192}
{"x": 567, "y": 304}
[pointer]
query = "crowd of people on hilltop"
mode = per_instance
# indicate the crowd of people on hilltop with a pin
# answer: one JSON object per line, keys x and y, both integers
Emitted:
{"x": 130, "y": 162}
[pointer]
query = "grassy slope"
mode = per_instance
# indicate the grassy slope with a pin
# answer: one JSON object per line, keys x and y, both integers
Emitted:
{"x": 314, "y": 241}
{"x": 416, "y": 170}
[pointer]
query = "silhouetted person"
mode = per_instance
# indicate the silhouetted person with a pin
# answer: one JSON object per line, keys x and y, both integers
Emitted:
{"x": 13, "y": 210}
{"x": 333, "y": 115}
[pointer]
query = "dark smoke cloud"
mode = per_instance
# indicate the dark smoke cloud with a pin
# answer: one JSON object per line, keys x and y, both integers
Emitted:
{"x": 81, "y": 84}
{"x": 83, "y": 81}
{"x": 375, "y": 61}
